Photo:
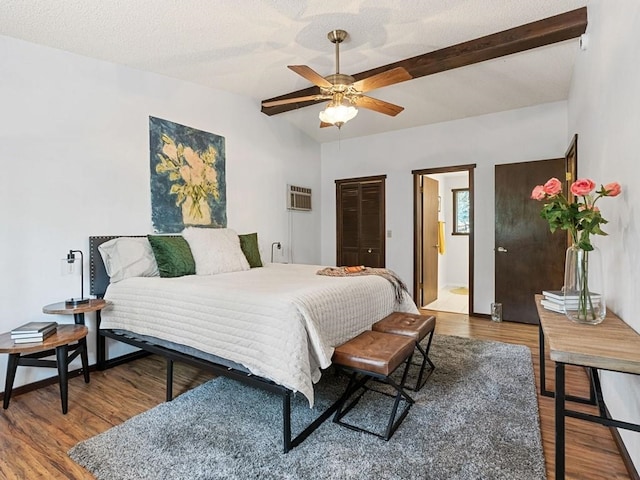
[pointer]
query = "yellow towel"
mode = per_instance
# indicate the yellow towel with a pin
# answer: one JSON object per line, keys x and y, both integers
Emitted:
{"x": 441, "y": 246}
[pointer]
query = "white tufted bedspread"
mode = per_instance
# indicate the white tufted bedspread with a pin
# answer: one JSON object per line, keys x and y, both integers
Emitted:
{"x": 281, "y": 321}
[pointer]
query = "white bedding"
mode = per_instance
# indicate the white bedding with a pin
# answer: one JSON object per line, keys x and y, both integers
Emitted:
{"x": 281, "y": 321}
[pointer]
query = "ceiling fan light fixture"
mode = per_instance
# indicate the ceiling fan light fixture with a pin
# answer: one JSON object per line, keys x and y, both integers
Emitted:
{"x": 338, "y": 112}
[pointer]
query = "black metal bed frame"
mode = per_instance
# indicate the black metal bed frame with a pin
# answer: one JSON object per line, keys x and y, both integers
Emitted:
{"x": 99, "y": 283}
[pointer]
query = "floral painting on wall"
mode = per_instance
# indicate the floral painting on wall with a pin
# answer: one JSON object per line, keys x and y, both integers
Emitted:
{"x": 188, "y": 185}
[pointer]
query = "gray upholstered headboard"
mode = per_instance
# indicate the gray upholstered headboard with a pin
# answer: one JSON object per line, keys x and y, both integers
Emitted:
{"x": 99, "y": 280}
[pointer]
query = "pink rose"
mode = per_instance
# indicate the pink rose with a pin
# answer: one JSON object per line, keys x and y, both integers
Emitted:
{"x": 582, "y": 187}
{"x": 538, "y": 192}
{"x": 553, "y": 186}
{"x": 613, "y": 189}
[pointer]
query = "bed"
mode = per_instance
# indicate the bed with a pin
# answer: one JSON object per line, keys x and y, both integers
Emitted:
{"x": 274, "y": 327}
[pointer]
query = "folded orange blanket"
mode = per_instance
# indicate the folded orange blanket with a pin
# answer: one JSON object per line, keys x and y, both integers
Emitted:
{"x": 355, "y": 269}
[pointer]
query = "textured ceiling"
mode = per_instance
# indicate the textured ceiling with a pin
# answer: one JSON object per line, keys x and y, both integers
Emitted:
{"x": 244, "y": 46}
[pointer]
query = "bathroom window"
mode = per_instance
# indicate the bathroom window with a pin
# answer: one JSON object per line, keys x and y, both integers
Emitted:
{"x": 460, "y": 211}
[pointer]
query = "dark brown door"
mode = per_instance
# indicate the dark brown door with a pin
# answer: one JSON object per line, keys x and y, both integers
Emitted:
{"x": 360, "y": 213}
{"x": 528, "y": 258}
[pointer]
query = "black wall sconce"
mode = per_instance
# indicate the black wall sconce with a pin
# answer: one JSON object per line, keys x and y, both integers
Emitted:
{"x": 275, "y": 244}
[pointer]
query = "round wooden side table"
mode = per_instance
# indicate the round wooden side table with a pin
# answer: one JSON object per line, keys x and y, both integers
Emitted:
{"x": 32, "y": 354}
{"x": 78, "y": 311}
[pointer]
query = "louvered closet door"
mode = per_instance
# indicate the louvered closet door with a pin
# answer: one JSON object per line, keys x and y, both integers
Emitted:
{"x": 349, "y": 225}
{"x": 360, "y": 221}
{"x": 372, "y": 224}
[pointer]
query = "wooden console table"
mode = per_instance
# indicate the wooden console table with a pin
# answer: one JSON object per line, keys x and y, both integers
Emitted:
{"x": 611, "y": 345}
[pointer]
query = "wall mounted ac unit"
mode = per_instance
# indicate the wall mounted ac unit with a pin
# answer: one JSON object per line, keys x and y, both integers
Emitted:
{"x": 298, "y": 198}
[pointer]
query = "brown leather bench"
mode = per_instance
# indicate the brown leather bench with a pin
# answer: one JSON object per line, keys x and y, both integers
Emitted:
{"x": 414, "y": 326}
{"x": 374, "y": 355}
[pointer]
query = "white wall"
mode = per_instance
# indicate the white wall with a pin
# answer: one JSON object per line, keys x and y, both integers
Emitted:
{"x": 74, "y": 147}
{"x": 604, "y": 109}
{"x": 533, "y": 133}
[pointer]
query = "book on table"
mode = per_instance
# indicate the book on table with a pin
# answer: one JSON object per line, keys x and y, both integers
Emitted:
{"x": 34, "y": 327}
{"x": 556, "y": 301}
{"x": 559, "y": 296}
{"x": 33, "y": 338}
{"x": 553, "y": 306}
{"x": 20, "y": 336}
{"x": 41, "y": 335}
{"x": 570, "y": 303}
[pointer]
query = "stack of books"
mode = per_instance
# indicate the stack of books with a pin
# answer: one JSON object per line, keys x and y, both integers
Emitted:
{"x": 33, "y": 332}
{"x": 555, "y": 300}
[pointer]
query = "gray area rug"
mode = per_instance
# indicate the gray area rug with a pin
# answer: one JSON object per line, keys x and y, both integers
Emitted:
{"x": 476, "y": 418}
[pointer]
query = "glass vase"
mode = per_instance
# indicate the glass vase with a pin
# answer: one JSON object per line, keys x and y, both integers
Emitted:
{"x": 584, "y": 286}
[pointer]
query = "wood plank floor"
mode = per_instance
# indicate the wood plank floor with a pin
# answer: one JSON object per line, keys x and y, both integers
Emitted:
{"x": 35, "y": 436}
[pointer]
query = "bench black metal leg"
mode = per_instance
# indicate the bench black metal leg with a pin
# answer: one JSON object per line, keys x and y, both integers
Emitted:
{"x": 356, "y": 385}
{"x": 393, "y": 423}
{"x": 425, "y": 359}
{"x": 352, "y": 387}
{"x": 426, "y": 350}
{"x": 62, "y": 360}
{"x": 12, "y": 366}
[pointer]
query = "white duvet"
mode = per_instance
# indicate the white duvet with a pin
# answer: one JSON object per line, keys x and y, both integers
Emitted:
{"x": 281, "y": 321}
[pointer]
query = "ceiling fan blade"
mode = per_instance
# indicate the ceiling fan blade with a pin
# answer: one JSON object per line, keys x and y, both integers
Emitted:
{"x": 287, "y": 101}
{"x": 325, "y": 124}
{"x": 379, "y": 106}
{"x": 384, "y": 79}
{"x": 311, "y": 75}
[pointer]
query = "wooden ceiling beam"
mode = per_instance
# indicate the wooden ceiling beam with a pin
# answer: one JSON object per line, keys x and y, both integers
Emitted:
{"x": 514, "y": 40}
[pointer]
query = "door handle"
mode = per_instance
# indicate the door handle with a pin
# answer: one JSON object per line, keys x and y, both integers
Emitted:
{"x": 368, "y": 250}
{"x": 502, "y": 250}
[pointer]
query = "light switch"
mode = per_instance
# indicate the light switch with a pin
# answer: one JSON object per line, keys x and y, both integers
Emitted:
{"x": 388, "y": 233}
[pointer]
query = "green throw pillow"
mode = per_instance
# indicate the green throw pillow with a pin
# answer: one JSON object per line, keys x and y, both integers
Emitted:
{"x": 249, "y": 246}
{"x": 173, "y": 255}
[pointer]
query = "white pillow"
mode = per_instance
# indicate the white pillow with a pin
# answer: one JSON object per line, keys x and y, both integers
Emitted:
{"x": 126, "y": 257}
{"x": 215, "y": 250}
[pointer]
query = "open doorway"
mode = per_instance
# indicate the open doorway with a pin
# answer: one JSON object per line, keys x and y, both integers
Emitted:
{"x": 443, "y": 238}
